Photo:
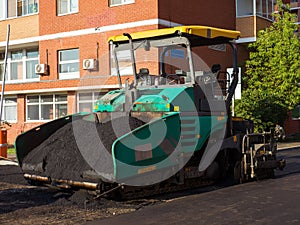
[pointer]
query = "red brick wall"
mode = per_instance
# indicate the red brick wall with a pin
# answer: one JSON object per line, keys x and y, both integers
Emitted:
{"x": 199, "y": 12}
{"x": 292, "y": 126}
{"x": 21, "y": 27}
{"x": 94, "y": 14}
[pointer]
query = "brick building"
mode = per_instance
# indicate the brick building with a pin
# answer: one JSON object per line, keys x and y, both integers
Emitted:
{"x": 68, "y": 39}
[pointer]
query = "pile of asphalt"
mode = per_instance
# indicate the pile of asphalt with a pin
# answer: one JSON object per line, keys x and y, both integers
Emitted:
{"x": 59, "y": 156}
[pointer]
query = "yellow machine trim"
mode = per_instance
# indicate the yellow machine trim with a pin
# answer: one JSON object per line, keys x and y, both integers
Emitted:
{"x": 146, "y": 169}
{"x": 202, "y": 31}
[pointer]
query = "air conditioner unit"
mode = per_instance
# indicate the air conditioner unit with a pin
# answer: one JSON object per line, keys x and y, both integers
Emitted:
{"x": 41, "y": 68}
{"x": 89, "y": 64}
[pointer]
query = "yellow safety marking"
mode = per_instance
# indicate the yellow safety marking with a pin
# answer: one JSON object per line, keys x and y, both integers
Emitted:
{"x": 176, "y": 108}
{"x": 146, "y": 169}
{"x": 168, "y": 106}
{"x": 235, "y": 138}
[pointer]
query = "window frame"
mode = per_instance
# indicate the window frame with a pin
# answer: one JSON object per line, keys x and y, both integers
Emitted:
{"x": 124, "y": 70}
{"x": 40, "y": 103}
{"x": 34, "y": 5}
{"x": 68, "y": 75}
{"x": 69, "y": 3}
{"x": 261, "y": 8}
{"x": 5, "y": 105}
{"x": 123, "y": 2}
{"x": 6, "y": 11}
{"x": 95, "y": 96}
{"x": 24, "y": 59}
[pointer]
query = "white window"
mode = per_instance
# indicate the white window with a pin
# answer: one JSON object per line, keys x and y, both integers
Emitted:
{"x": 244, "y": 7}
{"x": 16, "y": 65}
{"x": 67, "y": 6}
{"x": 2, "y": 9}
{"x": 264, "y": 8}
{"x": 11, "y": 8}
{"x": 31, "y": 60}
{"x": 14, "y": 8}
{"x": 124, "y": 63}
{"x": 9, "y": 112}
{"x": 20, "y": 65}
{"x": 26, "y": 7}
{"x": 120, "y": 2}
{"x": 68, "y": 61}
{"x": 2, "y": 55}
{"x": 86, "y": 101}
{"x": 46, "y": 107}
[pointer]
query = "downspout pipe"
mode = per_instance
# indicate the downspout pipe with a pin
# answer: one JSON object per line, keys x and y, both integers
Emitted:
{"x": 4, "y": 72}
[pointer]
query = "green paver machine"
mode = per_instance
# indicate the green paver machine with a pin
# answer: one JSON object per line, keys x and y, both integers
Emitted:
{"x": 170, "y": 126}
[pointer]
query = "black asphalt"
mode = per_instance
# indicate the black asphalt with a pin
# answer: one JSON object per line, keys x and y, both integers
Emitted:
{"x": 273, "y": 201}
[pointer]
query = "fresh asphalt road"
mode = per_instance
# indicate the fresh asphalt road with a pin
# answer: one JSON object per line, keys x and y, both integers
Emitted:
{"x": 273, "y": 201}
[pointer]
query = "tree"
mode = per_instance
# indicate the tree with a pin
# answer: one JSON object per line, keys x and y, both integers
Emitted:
{"x": 272, "y": 73}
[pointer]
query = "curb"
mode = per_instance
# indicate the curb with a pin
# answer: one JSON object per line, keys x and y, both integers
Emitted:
{"x": 288, "y": 148}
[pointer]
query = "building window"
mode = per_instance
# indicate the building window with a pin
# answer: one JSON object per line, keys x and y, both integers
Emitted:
{"x": 264, "y": 8}
{"x": 16, "y": 8}
{"x": 9, "y": 112}
{"x": 67, "y": 6}
{"x": 31, "y": 60}
{"x": 11, "y": 8}
{"x": 2, "y": 9}
{"x": 120, "y": 2}
{"x": 26, "y": 7}
{"x": 68, "y": 61}
{"x": 20, "y": 65}
{"x": 296, "y": 113}
{"x": 2, "y": 55}
{"x": 244, "y": 8}
{"x": 124, "y": 63}
{"x": 16, "y": 65}
{"x": 46, "y": 107}
{"x": 86, "y": 101}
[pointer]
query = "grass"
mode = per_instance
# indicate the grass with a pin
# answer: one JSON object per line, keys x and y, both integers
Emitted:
{"x": 11, "y": 151}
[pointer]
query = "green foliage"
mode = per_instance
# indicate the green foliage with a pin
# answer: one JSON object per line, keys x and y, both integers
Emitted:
{"x": 11, "y": 151}
{"x": 272, "y": 73}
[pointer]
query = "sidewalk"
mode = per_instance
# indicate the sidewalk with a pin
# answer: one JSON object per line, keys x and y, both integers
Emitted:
{"x": 287, "y": 145}
{"x": 7, "y": 161}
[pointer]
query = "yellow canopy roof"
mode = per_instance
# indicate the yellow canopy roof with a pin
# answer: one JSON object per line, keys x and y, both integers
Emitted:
{"x": 201, "y": 31}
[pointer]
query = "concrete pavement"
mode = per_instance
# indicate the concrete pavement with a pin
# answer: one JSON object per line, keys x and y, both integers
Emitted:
{"x": 7, "y": 161}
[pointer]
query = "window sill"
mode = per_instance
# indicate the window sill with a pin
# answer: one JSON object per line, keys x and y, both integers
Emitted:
{"x": 127, "y": 3}
{"x": 38, "y": 121}
{"x": 68, "y": 76}
{"x": 66, "y": 14}
{"x": 16, "y": 17}
{"x": 20, "y": 81}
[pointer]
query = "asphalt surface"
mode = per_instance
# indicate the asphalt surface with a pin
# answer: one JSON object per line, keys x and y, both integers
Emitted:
{"x": 272, "y": 201}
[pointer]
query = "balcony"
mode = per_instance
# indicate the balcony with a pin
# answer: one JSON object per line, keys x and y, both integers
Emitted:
{"x": 252, "y": 16}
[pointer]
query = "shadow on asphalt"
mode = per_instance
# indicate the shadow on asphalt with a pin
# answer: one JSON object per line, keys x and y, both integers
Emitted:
{"x": 20, "y": 198}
